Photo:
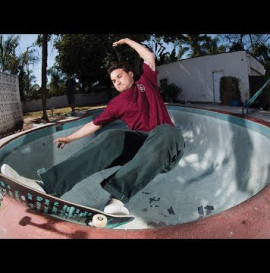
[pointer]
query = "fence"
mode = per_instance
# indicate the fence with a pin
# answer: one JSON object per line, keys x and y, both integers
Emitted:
{"x": 61, "y": 101}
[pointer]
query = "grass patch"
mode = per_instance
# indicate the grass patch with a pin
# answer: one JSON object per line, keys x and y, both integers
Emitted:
{"x": 60, "y": 111}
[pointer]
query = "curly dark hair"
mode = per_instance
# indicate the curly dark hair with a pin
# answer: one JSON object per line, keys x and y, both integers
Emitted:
{"x": 116, "y": 65}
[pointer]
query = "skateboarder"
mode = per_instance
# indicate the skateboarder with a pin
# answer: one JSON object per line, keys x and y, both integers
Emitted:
{"x": 151, "y": 146}
{"x": 71, "y": 85}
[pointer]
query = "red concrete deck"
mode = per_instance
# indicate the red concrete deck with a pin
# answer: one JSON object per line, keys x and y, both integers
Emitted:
{"x": 250, "y": 219}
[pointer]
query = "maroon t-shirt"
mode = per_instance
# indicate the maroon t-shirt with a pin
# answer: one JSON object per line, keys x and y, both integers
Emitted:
{"x": 140, "y": 107}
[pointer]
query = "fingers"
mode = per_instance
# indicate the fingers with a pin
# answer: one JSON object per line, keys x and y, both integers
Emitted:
{"x": 61, "y": 144}
{"x": 120, "y": 42}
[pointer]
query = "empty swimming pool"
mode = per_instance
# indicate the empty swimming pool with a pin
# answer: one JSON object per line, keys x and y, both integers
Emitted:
{"x": 224, "y": 164}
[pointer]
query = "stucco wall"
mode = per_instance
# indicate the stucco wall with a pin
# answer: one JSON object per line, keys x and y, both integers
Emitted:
{"x": 256, "y": 68}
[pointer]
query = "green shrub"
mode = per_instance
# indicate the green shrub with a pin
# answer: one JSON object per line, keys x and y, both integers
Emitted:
{"x": 169, "y": 92}
{"x": 229, "y": 90}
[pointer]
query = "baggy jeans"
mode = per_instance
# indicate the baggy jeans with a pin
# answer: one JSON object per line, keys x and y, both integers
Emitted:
{"x": 141, "y": 155}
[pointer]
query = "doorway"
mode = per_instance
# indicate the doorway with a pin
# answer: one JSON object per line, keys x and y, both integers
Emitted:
{"x": 216, "y": 85}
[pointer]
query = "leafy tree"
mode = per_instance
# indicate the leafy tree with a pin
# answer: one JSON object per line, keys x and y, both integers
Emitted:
{"x": 255, "y": 44}
{"x": 42, "y": 41}
{"x": 26, "y": 77}
{"x": 8, "y": 60}
{"x": 88, "y": 56}
{"x": 211, "y": 46}
{"x": 245, "y": 41}
{"x": 192, "y": 45}
{"x": 25, "y": 81}
{"x": 57, "y": 83}
{"x": 194, "y": 42}
{"x": 17, "y": 64}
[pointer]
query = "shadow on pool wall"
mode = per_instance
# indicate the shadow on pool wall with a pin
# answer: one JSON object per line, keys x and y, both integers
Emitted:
{"x": 243, "y": 156}
{"x": 20, "y": 155}
{"x": 35, "y": 149}
{"x": 224, "y": 164}
{"x": 224, "y": 161}
{"x": 251, "y": 168}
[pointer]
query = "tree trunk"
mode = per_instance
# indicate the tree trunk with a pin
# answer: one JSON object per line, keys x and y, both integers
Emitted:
{"x": 44, "y": 75}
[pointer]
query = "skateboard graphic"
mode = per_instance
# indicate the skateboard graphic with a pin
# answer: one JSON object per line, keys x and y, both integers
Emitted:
{"x": 59, "y": 208}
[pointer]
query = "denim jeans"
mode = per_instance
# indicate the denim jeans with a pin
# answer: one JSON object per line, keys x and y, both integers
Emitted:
{"x": 141, "y": 155}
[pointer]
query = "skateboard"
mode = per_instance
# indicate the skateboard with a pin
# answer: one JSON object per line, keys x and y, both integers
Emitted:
{"x": 59, "y": 208}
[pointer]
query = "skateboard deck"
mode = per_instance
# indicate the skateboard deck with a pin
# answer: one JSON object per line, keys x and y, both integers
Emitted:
{"x": 59, "y": 208}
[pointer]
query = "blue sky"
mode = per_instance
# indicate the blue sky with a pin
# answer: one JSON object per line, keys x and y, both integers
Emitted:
{"x": 27, "y": 40}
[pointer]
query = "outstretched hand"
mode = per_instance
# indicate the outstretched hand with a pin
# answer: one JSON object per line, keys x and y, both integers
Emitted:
{"x": 60, "y": 145}
{"x": 61, "y": 142}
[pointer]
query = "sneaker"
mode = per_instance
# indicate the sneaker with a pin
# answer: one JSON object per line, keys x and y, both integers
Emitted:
{"x": 9, "y": 172}
{"x": 115, "y": 206}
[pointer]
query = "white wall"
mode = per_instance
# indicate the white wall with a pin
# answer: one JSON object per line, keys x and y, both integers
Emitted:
{"x": 11, "y": 116}
{"x": 256, "y": 68}
{"x": 61, "y": 101}
{"x": 195, "y": 75}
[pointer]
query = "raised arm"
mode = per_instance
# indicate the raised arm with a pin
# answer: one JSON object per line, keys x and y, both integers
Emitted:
{"x": 147, "y": 55}
{"x": 85, "y": 130}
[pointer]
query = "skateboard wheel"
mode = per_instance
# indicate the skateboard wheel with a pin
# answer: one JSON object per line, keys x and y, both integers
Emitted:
{"x": 3, "y": 192}
{"x": 99, "y": 220}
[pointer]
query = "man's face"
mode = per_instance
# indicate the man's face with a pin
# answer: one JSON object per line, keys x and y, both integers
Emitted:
{"x": 121, "y": 79}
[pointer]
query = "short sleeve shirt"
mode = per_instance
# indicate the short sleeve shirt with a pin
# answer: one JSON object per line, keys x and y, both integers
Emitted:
{"x": 141, "y": 107}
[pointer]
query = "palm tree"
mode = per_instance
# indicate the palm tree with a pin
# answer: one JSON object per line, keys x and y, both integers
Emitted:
{"x": 8, "y": 60}
{"x": 26, "y": 76}
{"x": 194, "y": 42}
{"x": 57, "y": 77}
{"x": 44, "y": 75}
{"x": 16, "y": 64}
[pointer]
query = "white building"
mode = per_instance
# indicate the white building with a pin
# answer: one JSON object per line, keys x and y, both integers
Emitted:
{"x": 199, "y": 77}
